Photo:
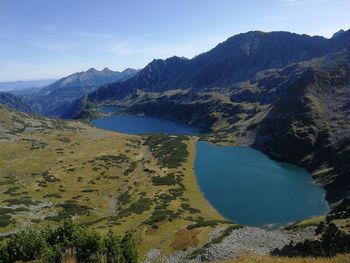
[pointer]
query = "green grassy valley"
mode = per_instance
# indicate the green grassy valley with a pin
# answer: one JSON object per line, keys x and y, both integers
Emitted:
{"x": 56, "y": 170}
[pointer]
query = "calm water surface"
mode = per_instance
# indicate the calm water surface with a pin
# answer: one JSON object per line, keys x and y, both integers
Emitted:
{"x": 132, "y": 124}
{"x": 246, "y": 186}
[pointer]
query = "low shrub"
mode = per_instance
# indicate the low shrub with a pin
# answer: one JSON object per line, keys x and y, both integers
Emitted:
{"x": 169, "y": 179}
{"x": 81, "y": 243}
{"x": 207, "y": 223}
{"x": 171, "y": 151}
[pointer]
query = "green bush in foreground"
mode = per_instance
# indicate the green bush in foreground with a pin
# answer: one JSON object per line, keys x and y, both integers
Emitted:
{"x": 84, "y": 244}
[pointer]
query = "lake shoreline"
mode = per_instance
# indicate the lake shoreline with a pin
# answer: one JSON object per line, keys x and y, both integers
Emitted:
{"x": 112, "y": 117}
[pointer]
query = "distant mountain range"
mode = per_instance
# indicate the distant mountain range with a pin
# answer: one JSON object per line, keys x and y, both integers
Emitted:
{"x": 53, "y": 99}
{"x": 284, "y": 93}
{"x": 21, "y": 85}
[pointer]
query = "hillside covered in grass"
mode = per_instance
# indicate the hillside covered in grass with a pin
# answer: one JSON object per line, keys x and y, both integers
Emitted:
{"x": 53, "y": 170}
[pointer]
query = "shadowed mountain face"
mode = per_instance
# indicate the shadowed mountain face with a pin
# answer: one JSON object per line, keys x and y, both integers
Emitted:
{"x": 54, "y": 99}
{"x": 309, "y": 123}
{"x": 284, "y": 93}
{"x": 237, "y": 59}
{"x": 14, "y": 102}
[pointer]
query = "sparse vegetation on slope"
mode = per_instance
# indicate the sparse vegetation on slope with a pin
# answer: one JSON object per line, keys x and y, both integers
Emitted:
{"x": 55, "y": 170}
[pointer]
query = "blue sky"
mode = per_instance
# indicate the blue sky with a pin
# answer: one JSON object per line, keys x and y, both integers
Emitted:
{"x": 52, "y": 38}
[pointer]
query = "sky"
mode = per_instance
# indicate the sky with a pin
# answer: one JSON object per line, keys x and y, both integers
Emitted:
{"x": 42, "y": 39}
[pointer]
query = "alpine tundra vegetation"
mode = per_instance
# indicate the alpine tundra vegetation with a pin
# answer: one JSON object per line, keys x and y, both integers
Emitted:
{"x": 237, "y": 154}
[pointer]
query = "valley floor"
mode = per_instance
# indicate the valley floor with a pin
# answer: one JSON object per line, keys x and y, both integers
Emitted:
{"x": 51, "y": 170}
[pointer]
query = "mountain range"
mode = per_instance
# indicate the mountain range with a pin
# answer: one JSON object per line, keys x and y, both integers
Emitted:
{"x": 21, "y": 85}
{"x": 237, "y": 59}
{"x": 53, "y": 99}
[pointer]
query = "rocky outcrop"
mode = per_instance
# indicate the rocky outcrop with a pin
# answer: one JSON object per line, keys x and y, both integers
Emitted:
{"x": 238, "y": 242}
{"x": 332, "y": 241}
{"x": 250, "y": 240}
{"x": 309, "y": 124}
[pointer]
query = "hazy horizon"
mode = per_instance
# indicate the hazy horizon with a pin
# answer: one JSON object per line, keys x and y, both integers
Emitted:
{"x": 50, "y": 40}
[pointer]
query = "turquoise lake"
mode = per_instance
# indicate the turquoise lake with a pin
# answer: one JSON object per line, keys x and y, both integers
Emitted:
{"x": 248, "y": 187}
{"x": 242, "y": 183}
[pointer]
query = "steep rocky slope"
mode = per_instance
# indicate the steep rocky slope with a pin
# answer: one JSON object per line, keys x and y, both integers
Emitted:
{"x": 14, "y": 102}
{"x": 310, "y": 124}
{"x": 55, "y": 98}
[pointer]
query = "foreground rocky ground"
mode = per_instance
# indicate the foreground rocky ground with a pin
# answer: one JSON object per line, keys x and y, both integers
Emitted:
{"x": 239, "y": 242}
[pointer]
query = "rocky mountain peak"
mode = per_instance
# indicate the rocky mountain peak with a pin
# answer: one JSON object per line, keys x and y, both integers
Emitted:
{"x": 106, "y": 70}
{"x": 91, "y": 70}
{"x": 338, "y": 33}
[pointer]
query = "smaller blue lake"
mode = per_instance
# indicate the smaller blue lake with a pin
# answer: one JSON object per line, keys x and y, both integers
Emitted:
{"x": 248, "y": 187}
{"x": 132, "y": 124}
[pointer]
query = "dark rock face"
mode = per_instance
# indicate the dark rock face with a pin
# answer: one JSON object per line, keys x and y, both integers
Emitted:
{"x": 15, "y": 102}
{"x": 310, "y": 123}
{"x": 75, "y": 109}
{"x": 242, "y": 56}
{"x": 331, "y": 242}
{"x": 341, "y": 211}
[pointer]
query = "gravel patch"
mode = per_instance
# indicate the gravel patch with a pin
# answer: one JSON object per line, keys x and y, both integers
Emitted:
{"x": 215, "y": 233}
{"x": 152, "y": 255}
{"x": 252, "y": 240}
{"x": 243, "y": 241}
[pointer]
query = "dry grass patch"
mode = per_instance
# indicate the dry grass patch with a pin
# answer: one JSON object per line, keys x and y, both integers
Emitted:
{"x": 185, "y": 238}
